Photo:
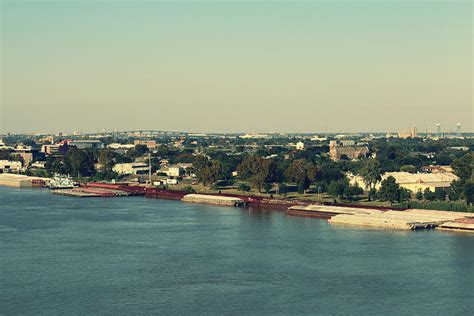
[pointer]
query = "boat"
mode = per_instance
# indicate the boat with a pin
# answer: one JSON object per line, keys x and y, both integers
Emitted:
{"x": 59, "y": 182}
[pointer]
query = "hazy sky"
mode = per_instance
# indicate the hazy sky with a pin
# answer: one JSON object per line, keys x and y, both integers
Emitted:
{"x": 232, "y": 66}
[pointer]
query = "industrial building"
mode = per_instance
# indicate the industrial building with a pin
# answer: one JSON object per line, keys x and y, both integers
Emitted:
{"x": 131, "y": 168}
{"x": 413, "y": 181}
{"x": 82, "y": 144}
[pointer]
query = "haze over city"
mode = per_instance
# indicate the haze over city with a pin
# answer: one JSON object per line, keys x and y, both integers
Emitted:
{"x": 266, "y": 66}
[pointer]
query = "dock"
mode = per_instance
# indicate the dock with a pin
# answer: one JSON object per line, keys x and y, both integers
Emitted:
{"x": 213, "y": 199}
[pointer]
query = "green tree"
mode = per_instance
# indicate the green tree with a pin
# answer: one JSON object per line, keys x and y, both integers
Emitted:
{"x": 257, "y": 170}
{"x": 429, "y": 195}
{"x": 456, "y": 190}
{"x": 405, "y": 195}
{"x": 389, "y": 190}
{"x": 352, "y": 191}
{"x": 419, "y": 195}
{"x": 106, "y": 160}
{"x": 469, "y": 192}
{"x": 371, "y": 172}
{"x": 463, "y": 167}
{"x": 339, "y": 188}
{"x": 440, "y": 195}
{"x": 243, "y": 187}
{"x": 408, "y": 168}
{"x": 302, "y": 173}
{"x": 267, "y": 187}
{"x": 209, "y": 173}
{"x": 282, "y": 189}
{"x": 80, "y": 162}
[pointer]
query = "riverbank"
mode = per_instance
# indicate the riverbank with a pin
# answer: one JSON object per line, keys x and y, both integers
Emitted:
{"x": 370, "y": 216}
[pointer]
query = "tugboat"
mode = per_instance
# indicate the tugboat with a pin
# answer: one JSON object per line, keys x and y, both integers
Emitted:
{"x": 61, "y": 182}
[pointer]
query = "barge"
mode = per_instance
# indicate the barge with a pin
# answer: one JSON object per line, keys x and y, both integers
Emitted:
{"x": 213, "y": 199}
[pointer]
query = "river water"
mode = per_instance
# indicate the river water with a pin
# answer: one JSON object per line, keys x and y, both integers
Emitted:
{"x": 133, "y": 255}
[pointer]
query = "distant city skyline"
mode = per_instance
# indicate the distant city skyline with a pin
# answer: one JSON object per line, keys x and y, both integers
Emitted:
{"x": 251, "y": 66}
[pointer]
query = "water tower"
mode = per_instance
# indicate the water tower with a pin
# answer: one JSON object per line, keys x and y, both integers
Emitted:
{"x": 458, "y": 129}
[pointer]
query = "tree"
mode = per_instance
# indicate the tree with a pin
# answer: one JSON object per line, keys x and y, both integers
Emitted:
{"x": 440, "y": 195}
{"x": 419, "y": 195}
{"x": 302, "y": 173}
{"x": 469, "y": 192}
{"x": 351, "y": 191}
{"x": 80, "y": 162}
{"x": 208, "y": 172}
{"x": 282, "y": 189}
{"x": 371, "y": 173}
{"x": 456, "y": 190}
{"x": 428, "y": 195}
{"x": 463, "y": 167}
{"x": 106, "y": 160}
{"x": 243, "y": 187}
{"x": 267, "y": 187}
{"x": 257, "y": 170}
{"x": 408, "y": 168}
{"x": 390, "y": 190}
{"x": 405, "y": 195}
{"x": 341, "y": 188}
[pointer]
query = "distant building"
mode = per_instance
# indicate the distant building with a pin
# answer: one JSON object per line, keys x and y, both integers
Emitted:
{"x": 299, "y": 146}
{"x": 38, "y": 165}
{"x": 3, "y": 146}
{"x": 256, "y": 136}
{"x": 82, "y": 144}
{"x": 117, "y": 146}
{"x": 46, "y": 139}
{"x": 172, "y": 181}
{"x": 51, "y": 149}
{"x": 413, "y": 133}
{"x": 346, "y": 149}
{"x": 131, "y": 168}
{"x": 318, "y": 139}
{"x": 8, "y": 166}
{"x": 175, "y": 171}
{"x": 461, "y": 148}
{"x": 150, "y": 144}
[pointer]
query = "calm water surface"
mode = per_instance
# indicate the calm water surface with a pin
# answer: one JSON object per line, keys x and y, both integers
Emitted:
{"x": 61, "y": 255}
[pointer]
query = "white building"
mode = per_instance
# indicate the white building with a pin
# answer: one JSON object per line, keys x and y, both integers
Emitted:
{"x": 413, "y": 181}
{"x": 38, "y": 165}
{"x": 172, "y": 181}
{"x": 116, "y": 146}
{"x": 299, "y": 146}
{"x": 175, "y": 171}
{"x": 131, "y": 168}
{"x": 8, "y": 166}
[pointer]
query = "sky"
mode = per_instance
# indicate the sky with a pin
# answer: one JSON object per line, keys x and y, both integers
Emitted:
{"x": 236, "y": 66}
